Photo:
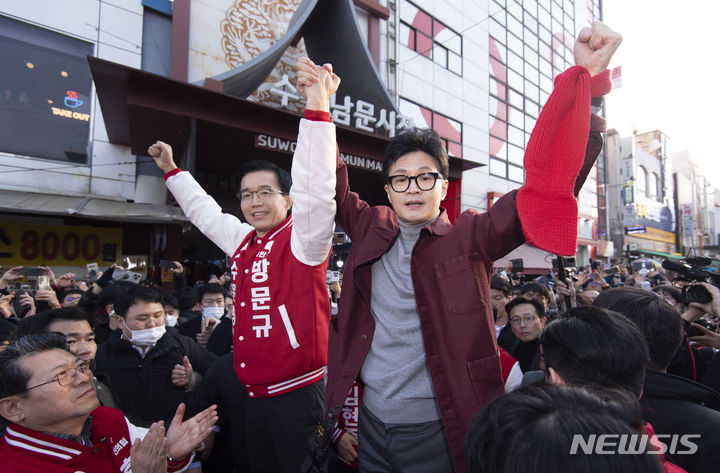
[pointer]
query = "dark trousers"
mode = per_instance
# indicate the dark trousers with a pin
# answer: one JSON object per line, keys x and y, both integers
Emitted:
{"x": 278, "y": 428}
{"x": 401, "y": 448}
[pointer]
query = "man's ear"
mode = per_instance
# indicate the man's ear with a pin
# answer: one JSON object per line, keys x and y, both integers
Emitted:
{"x": 445, "y": 184}
{"x": 554, "y": 378}
{"x": 288, "y": 203}
{"x": 12, "y": 409}
{"x": 387, "y": 191}
{"x": 116, "y": 322}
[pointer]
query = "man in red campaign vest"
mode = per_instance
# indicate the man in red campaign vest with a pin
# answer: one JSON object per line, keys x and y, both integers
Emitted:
{"x": 55, "y": 425}
{"x": 279, "y": 259}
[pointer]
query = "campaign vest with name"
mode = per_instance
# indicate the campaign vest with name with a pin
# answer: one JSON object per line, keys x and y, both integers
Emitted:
{"x": 282, "y": 315}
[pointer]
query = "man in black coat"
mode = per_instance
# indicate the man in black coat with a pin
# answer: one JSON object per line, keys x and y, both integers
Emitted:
{"x": 221, "y": 386}
{"x": 151, "y": 371}
{"x": 672, "y": 404}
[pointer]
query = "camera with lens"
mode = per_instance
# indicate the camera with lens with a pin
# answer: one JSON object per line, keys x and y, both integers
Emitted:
{"x": 694, "y": 270}
{"x": 693, "y": 331}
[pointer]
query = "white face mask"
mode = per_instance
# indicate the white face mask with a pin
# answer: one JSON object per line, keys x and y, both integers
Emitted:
{"x": 147, "y": 336}
{"x": 171, "y": 320}
{"x": 213, "y": 312}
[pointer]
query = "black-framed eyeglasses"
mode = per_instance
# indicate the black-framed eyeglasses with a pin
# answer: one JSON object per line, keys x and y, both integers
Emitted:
{"x": 424, "y": 181}
{"x": 263, "y": 194}
{"x": 520, "y": 320}
{"x": 65, "y": 377}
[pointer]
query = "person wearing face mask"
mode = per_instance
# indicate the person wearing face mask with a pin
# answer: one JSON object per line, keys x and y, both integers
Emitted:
{"x": 220, "y": 341}
{"x": 171, "y": 307}
{"x": 212, "y": 305}
{"x": 151, "y": 371}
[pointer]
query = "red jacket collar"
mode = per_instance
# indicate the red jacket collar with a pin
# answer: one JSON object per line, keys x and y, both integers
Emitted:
{"x": 272, "y": 233}
{"x": 32, "y": 441}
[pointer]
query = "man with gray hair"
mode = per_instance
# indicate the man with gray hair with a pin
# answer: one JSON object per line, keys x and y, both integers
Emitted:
{"x": 55, "y": 422}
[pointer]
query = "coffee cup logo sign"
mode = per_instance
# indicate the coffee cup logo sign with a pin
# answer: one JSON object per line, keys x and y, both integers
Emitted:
{"x": 72, "y": 99}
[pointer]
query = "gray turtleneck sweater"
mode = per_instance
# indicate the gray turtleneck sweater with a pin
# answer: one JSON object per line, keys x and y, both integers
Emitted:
{"x": 398, "y": 389}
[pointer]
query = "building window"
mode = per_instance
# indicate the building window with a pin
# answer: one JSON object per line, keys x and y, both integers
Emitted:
{"x": 656, "y": 187}
{"x": 427, "y": 36}
{"x": 641, "y": 182}
{"x": 45, "y": 93}
{"x": 529, "y": 43}
{"x": 450, "y": 130}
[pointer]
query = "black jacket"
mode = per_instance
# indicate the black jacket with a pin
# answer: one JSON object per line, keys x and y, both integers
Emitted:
{"x": 220, "y": 341}
{"x": 142, "y": 387}
{"x": 527, "y": 354}
{"x": 221, "y": 386}
{"x": 191, "y": 327}
{"x": 675, "y": 405}
{"x": 506, "y": 338}
{"x": 690, "y": 363}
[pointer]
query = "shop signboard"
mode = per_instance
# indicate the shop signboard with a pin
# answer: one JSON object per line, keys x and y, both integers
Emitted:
{"x": 58, "y": 245}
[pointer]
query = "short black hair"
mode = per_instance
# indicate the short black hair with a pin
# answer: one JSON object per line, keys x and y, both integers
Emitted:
{"x": 168, "y": 298}
{"x": 533, "y": 430}
{"x": 659, "y": 322}
{"x": 210, "y": 288}
{"x": 284, "y": 179}
{"x": 109, "y": 293}
{"x": 499, "y": 283}
{"x": 532, "y": 286}
{"x": 40, "y": 322}
{"x": 8, "y": 331}
{"x": 132, "y": 295}
{"x": 594, "y": 347}
{"x": 539, "y": 307}
{"x": 187, "y": 298}
{"x": 417, "y": 139}
{"x": 13, "y": 378}
{"x": 669, "y": 290}
{"x": 67, "y": 292}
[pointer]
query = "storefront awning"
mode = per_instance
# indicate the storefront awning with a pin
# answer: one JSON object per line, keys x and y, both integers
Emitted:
{"x": 673, "y": 256}
{"x": 139, "y": 107}
{"x": 101, "y": 209}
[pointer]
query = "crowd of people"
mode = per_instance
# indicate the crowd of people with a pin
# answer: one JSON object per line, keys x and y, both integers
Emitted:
{"x": 605, "y": 368}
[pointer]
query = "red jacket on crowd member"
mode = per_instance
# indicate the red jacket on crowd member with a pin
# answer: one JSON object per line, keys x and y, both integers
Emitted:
{"x": 452, "y": 264}
{"x": 29, "y": 451}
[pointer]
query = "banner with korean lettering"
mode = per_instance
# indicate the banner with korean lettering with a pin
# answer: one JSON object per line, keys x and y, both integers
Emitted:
{"x": 58, "y": 245}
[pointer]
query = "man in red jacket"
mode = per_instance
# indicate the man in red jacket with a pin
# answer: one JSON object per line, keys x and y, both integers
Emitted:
{"x": 47, "y": 395}
{"x": 415, "y": 322}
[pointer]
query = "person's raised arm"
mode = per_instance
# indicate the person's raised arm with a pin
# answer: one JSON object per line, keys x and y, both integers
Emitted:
{"x": 595, "y": 48}
{"x": 225, "y": 230}
{"x": 350, "y": 208}
{"x": 554, "y": 156}
{"x": 313, "y": 166}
